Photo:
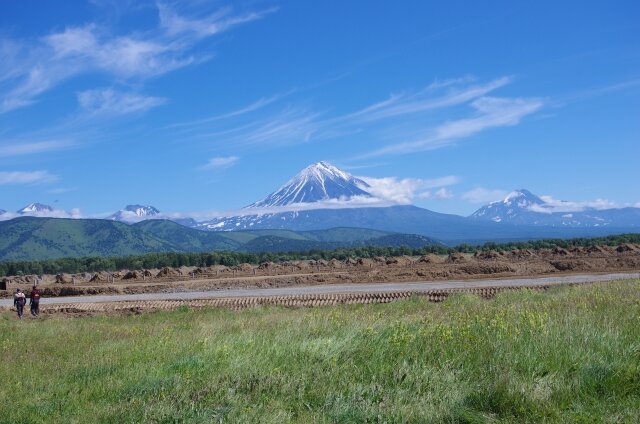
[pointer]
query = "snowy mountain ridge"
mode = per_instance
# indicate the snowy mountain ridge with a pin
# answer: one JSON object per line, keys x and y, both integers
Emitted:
{"x": 134, "y": 213}
{"x": 35, "y": 208}
{"x": 521, "y": 207}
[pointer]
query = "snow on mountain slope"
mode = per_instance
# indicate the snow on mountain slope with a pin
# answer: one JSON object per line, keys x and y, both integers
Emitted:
{"x": 35, "y": 209}
{"x": 316, "y": 183}
{"x": 516, "y": 203}
{"x": 521, "y": 207}
{"x": 134, "y": 213}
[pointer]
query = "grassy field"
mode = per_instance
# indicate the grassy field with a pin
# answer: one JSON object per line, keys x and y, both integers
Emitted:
{"x": 568, "y": 355}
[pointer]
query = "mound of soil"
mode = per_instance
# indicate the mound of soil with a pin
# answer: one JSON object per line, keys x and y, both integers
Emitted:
{"x": 520, "y": 254}
{"x": 490, "y": 255}
{"x": 571, "y": 265}
{"x": 456, "y": 258}
{"x": 99, "y": 277}
{"x": 367, "y": 263}
{"x": 23, "y": 279}
{"x": 559, "y": 251}
{"x": 64, "y": 279}
{"x": 302, "y": 265}
{"x": 626, "y": 247}
{"x": 168, "y": 272}
{"x": 350, "y": 262}
{"x": 335, "y": 264}
{"x": 486, "y": 268}
{"x": 200, "y": 271}
{"x": 132, "y": 275}
{"x": 595, "y": 249}
{"x": 244, "y": 268}
{"x": 430, "y": 259}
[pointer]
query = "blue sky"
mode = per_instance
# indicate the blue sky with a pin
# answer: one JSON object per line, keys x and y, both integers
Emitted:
{"x": 209, "y": 106}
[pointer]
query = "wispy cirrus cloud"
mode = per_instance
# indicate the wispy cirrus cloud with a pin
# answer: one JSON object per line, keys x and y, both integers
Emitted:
{"x": 425, "y": 100}
{"x": 490, "y": 112}
{"x": 109, "y": 102}
{"x": 399, "y": 117}
{"x": 26, "y": 177}
{"x": 62, "y": 190}
{"x": 20, "y": 148}
{"x": 220, "y": 162}
{"x": 32, "y": 67}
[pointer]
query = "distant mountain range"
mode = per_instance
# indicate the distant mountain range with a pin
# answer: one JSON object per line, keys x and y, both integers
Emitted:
{"x": 32, "y": 238}
{"x": 521, "y": 215}
{"x": 322, "y": 196}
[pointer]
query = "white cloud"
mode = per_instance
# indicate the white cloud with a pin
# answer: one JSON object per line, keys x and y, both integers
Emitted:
{"x": 443, "y": 193}
{"x": 291, "y": 126}
{"x": 220, "y": 162}
{"x": 28, "y": 148}
{"x": 61, "y": 190}
{"x": 296, "y": 124}
{"x": 55, "y": 213}
{"x": 33, "y": 177}
{"x": 218, "y": 22}
{"x": 392, "y": 189}
{"x": 34, "y": 67}
{"x": 554, "y": 205}
{"x": 491, "y": 112}
{"x": 111, "y": 102}
{"x": 446, "y": 181}
{"x": 403, "y": 191}
{"x": 484, "y": 195}
{"x": 405, "y": 104}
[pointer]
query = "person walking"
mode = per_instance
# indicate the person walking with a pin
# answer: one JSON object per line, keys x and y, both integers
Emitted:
{"x": 19, "y": 301}
{"x": 34, "y": 301}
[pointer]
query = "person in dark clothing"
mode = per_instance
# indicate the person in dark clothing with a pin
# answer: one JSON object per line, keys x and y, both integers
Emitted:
{"x": 34, "y": 301}
{"x": 19, "y": 301}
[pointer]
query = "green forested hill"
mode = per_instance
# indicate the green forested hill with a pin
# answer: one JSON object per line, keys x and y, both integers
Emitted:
{"x": 30, "y": 238}
{"x": 187, "y": 239}
{"x": 46, "y": 238}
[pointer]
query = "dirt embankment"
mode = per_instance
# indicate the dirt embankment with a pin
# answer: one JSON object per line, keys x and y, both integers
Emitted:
{"x": 352, "y": 270}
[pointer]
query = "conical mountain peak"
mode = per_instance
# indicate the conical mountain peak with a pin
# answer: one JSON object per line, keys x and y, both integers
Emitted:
{"x": 318, "y": 182}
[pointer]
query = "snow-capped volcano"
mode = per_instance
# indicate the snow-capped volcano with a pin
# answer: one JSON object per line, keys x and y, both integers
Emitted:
{"x": 521, "y": 207}
{"x": 134, "y": 213}
{"x": 35, "y": 209}
{"x": 516, "y": 202}
{"x": 316, "y": 183}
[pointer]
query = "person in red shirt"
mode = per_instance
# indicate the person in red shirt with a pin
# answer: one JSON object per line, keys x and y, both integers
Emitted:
{"x": 34, "y": 301}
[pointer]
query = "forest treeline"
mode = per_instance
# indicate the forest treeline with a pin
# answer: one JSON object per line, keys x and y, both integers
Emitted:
{"x": 160, "y": 260}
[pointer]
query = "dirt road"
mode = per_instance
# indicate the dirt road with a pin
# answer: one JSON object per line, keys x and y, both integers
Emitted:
{"x": 336, "y": 289}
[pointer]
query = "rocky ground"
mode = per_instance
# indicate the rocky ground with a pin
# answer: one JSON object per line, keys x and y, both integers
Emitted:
{"x": 352, "y": 270}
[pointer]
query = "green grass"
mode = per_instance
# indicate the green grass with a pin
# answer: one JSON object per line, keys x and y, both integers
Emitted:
{"x": 568, "y": 355}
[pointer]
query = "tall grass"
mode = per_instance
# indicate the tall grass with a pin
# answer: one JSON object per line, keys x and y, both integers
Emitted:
{"x": 569, "y": 355}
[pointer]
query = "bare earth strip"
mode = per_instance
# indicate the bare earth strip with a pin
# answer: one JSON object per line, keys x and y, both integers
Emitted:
{"x": 308, "y": 295}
